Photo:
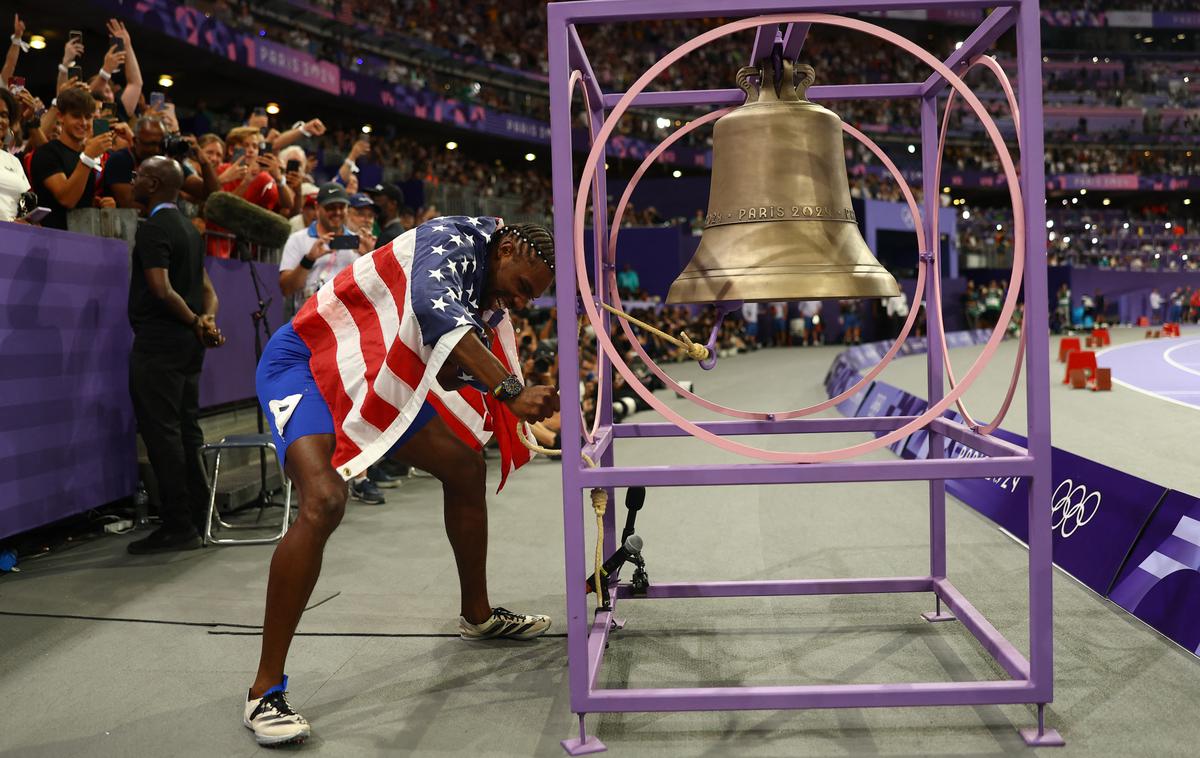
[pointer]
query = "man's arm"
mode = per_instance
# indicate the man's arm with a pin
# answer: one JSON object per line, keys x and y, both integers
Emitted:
{"x": 211, "y": 303}
{"x": 160, "y": 287}
{"x": 71, "y": 52}
{"x": 123, "y": 194}
{"x": 360, "y": 148}
{"x": 313, "y": 127}
{"x": 533, "y": 404}
{"x": 113, "y": 60}
{"x": 67, "y": 190}
{"x": 198, "y": 187}
{"x": 131, "y": 95}
{"x": 14, "y": 50}
{"x": 291, "y": 280}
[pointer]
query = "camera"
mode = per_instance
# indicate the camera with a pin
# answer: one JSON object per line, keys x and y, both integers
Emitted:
{"x": 26, "y": 203}
{"x": 175, "y": 146}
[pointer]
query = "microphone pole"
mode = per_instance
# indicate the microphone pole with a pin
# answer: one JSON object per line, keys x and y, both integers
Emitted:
{"x": 635, "y": 498}
{"x": 259, "y": 318}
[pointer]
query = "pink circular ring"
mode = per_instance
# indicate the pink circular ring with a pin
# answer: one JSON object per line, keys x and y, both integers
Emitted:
{"x": 989, "y": 63}
{"x": 918, "y": 297}
{"x": 596, "y": 154}
{"x": 601, "y": 357}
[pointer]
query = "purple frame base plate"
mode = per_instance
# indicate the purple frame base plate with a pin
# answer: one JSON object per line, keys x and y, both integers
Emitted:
{"x": 575, "y": 746}
{"x": 933, "y": 617}
{"x": 1047, "y": 738}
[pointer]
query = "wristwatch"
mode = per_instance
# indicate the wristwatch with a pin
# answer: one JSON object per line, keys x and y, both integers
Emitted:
{"x": 508, "y": 388}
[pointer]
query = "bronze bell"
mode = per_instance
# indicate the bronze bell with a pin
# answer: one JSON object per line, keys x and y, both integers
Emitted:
{"x": 780, "y": 225}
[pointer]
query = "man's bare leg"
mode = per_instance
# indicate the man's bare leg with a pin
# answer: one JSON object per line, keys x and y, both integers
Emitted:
{"x": 297, "y": 560}
{"x": 462, "y": 472}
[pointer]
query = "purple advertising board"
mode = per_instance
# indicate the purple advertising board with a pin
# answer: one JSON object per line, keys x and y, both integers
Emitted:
{"x": 228, "y": 374}
{"x": 66, "y": 422}
{"x": 1160, "y": 583}
{"x": 296, "y": 65}
{"x": 1097, "y": 511}
{"x": 1124, "y": 537}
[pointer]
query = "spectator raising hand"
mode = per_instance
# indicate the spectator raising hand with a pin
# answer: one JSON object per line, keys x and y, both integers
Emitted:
{"x": 235, "y": 172}
{"x": 349, "y": 167}
{"x": 14, "y": 50}
{"x": 312, "y": 128}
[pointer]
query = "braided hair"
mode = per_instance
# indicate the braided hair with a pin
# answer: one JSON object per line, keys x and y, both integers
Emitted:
{"x": 537, "y": 241}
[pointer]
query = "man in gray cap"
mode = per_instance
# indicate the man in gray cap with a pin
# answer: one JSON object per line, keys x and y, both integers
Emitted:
{"x": 312, "y": 256}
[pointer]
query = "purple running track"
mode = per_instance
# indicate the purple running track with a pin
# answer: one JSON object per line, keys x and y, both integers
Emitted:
{"x": 1168, "y": 369}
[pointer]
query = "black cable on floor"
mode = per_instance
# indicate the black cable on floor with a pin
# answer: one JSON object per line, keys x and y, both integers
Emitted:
{"x": 164, "y": 622}
{"x": 78, "y": 617}
{"x": 418, "y": 635}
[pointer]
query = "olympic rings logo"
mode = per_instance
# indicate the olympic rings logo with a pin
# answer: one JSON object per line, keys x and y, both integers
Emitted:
{"x": 1073, "y": 506}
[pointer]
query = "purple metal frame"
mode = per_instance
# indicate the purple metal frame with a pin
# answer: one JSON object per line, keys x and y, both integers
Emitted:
{"x": 1031, "y": 679}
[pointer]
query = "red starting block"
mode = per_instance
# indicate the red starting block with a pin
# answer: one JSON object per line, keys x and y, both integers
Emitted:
{"x": 1143, "y": 321}
{"x": 1080, "y": 360}
{"x": 1066, "y": 345}
{"x": 1170, "y": 330}
{"x": 1102, "y": 338}
{"x": 1103, "y": 380}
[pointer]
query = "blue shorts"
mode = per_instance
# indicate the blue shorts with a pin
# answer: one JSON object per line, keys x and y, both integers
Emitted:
{"x": 292, "y": 404}
{"x": 851, "y": 320}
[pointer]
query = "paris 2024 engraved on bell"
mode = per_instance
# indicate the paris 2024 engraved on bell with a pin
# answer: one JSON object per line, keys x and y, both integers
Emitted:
{"x": 780, "y": 225}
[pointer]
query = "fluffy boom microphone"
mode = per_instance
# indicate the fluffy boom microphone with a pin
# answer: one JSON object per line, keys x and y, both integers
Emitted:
{"x": 245, "y": 219}
{"x": 632, "y": 547}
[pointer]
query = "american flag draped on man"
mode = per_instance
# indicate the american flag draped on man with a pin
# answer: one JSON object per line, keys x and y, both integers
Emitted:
{"x": 381, "y": 330}
{"x": 375, "y": 364}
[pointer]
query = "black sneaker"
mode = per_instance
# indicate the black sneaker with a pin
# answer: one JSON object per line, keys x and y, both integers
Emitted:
{"x": 162, "y": 540}
{"x": 382, "y": 478}
{"x": 365, "y": 491}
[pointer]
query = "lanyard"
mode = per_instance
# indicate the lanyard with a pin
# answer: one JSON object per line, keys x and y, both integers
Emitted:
{"x": 160, "y": 206}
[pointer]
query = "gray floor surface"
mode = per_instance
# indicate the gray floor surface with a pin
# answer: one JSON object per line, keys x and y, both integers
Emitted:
{"x": 378, "y": 670}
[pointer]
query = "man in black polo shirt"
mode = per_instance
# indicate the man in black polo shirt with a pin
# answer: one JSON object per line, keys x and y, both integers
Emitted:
{"x": 172, "y": 308}
{"x": 63, "y": 171}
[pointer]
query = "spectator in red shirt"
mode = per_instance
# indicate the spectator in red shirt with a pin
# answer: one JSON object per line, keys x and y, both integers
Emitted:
{"x": 252, "y": 175}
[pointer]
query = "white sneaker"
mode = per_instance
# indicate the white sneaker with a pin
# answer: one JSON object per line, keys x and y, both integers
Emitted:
{"x": 273, "y": 720}
{"x": 505, "y": 623}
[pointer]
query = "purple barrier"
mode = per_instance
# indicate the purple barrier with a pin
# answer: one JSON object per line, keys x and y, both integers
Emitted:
{"x": 1098, "y": 511}
{"x": 1160, "y": 583}
{"x": 228, "y": 374}
{"x": 66, "y": 424}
